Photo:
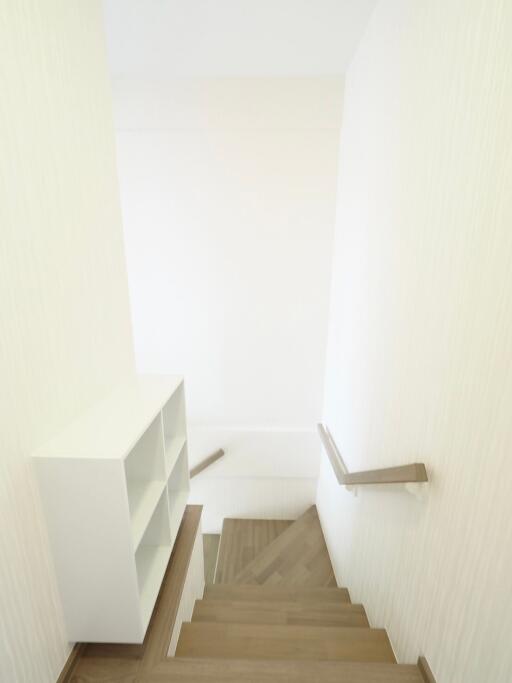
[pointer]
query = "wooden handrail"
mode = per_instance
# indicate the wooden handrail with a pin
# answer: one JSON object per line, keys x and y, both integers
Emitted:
{"x": 425, "y": 670}
{"x": 403, "y": 474}
{"x": 206, "y": 462}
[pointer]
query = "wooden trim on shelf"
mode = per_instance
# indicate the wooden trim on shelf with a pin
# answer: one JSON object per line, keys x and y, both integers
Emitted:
{"x": 425, "y": 670}
{"x": 158, "y": 637}
{"x": 403, "y": 474}
{"x": 69, "y": 666}
{"x": 206, "y": 462}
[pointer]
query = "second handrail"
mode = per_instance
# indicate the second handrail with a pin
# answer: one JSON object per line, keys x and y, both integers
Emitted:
{"x": 403, "y": 474}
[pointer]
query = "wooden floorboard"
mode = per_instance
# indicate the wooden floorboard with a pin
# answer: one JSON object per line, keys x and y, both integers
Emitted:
{"x": 211, "y": 552}
{"x": 107, "y": 670}
{"x": 242, "y": 540}
{"x": 255, "y": 641}
{"x": 297, "y": 557}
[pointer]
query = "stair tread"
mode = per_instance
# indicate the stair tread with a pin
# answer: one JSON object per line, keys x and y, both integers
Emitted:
{"x": 297, "y": 557}
{"x": 242, "y": 540}
{"x": 256, "y": 592}
{"x": 190, "y": 670}
{"x": 250, "y": 641}
{"x": 280, "y": 612}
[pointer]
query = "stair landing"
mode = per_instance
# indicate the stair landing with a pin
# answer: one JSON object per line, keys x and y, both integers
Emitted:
{"x": 242, "y": 540}
{"x": 297, "y": 557}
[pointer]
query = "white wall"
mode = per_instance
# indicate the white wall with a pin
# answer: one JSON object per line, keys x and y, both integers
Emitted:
{"x": 228, "y": 193}
{"x": 65, "y": 334}
{"x": 269, "y": 474}
{"x": 420, "y": 342}
{"x": 258, "y": 38}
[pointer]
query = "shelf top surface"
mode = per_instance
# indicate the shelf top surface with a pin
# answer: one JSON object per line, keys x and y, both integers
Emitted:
{"x": 112, "y": 426}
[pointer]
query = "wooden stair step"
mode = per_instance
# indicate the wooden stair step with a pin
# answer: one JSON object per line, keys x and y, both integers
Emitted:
{"x": 306, "y": 613}
{"x": 297, "y": 557}
{"x": 256, "y": 641}
{"x": 184, "y": 670}
{"x": 242, "y": 540}
{"x": 282, "y": 593}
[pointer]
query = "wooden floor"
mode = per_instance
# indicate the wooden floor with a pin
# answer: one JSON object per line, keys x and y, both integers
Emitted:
{"x": 211, "y": 552}
{"x": 241, "y": 541}
{"x": 297, "y": 557}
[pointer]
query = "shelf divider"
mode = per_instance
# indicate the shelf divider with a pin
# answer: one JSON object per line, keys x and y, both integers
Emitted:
{"x": 143, "y": 497}
{"x": 173, "y": 448}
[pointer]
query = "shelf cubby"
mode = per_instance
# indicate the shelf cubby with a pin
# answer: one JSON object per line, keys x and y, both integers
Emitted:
{"x": 174, "y": 427}
{"x": 145, "y": 477}
{"x": 173, "y": 448}
{"x": 143, "y": 497}
{"x": 114, "y": 486}
{"x": 177, "y": 490}
{"x": 152, "y": 557}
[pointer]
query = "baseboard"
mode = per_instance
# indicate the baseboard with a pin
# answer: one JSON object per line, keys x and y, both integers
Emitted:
{"x": 423, "y": 666}
{"x": 74, "y": 656}
{"x": 425, "y": 670}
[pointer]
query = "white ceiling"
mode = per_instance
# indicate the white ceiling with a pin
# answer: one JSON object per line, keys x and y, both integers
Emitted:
{"x": 222, "y": 38}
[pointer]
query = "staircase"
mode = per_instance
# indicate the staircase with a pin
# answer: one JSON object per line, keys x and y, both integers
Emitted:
{"x": 275, "y": 613}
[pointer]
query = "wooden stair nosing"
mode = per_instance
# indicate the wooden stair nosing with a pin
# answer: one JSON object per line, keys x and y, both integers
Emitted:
{"x": 251, "y": 641}
{"x": 280, "y": 612}
{"x": 191, "y": 670}
{"x": 425, "y": 670}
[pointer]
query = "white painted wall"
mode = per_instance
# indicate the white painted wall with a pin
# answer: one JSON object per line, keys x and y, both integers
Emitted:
{"x": 420, "y": 342}
{"x": 228, "y": 191}
{"x": 220, "y": 38}
{"x": 269, "y": 473}
{"x": 65, "y": 325}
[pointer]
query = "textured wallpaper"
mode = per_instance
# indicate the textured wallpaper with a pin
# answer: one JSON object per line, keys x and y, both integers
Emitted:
{"x": 65, "y": 335}
{"x": 420, "y": 340}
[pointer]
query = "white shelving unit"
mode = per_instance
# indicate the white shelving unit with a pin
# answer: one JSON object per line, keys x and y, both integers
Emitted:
{"x": 114, "y": 486}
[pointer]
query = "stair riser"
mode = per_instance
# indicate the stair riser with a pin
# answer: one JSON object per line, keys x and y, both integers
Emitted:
{"x": 280, "y": 613}
{"x": 281, "y": 593}
{"x": 298, "y": 605}
{"x": 258, "y": 671}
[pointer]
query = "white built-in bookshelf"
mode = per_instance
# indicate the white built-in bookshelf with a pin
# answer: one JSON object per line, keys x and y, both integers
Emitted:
{"x": 114, "y": 486}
